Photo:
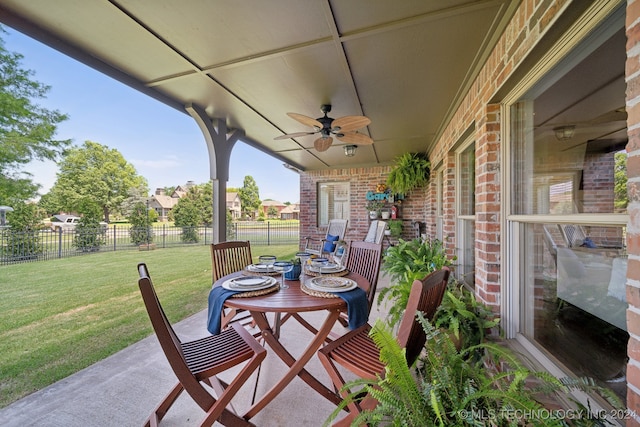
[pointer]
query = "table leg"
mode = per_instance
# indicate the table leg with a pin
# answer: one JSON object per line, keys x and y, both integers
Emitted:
{"x": 296, "y": 366}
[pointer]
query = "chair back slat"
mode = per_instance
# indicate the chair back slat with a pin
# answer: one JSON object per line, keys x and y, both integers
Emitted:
{"x": 364, "y": 258}
{"x": 229, "y": 257}
{"x": 426, "y": 296}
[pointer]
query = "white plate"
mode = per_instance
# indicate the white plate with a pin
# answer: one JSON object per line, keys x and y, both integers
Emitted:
{"x": 250, "y": 280}
{"x": 260, "y": 268}
{"x": 244, "y": 284}
{"x": 329, "y": 268}
{"x": 331, "y": 284}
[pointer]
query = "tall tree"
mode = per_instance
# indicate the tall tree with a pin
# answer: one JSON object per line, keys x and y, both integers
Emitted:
{"x": 94, "y": 175}
{"x": 249, "y": 196}
{"x": 26, "y": 129}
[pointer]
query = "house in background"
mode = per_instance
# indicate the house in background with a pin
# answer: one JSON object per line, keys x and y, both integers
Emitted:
{"x": 234, "y": 205}
{"x": 291, "y": 211}
{"x": 163, "y": 203}
{"x": 268, "y": 204}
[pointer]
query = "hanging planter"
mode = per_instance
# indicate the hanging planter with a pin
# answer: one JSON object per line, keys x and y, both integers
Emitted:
{"x": 410, "y": 171}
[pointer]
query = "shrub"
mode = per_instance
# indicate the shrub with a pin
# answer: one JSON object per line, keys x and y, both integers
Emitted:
{"x": 23, "y": 241}
{"x": 89, "y": 234}
{"x": 140, "y": 231}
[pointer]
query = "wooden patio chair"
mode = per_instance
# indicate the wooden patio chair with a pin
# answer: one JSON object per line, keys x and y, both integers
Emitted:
{"x": 197, "y": 362}
{"x": 357, "y": 352}
{"x": 227, "y": 258}
{"x": 376, "y": 231}
{"x": 335, "y": 231}
{"x": 365, "y": 258}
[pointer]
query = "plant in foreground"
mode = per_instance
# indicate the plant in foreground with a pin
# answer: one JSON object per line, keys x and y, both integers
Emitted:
{"x": 406, "y": 262}
{"x": 448, "y": 388}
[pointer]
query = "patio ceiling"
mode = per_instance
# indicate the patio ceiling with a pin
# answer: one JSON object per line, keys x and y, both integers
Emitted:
{"x": 404, "y": 64}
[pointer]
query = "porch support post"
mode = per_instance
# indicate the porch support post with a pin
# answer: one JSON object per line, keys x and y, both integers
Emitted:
{"x": 220, "y": 141}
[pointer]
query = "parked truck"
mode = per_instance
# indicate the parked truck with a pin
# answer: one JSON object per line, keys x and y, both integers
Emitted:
{"x": 66, "y": 223}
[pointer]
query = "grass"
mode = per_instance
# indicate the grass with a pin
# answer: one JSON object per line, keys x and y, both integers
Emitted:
{"x": 58, "y": 317}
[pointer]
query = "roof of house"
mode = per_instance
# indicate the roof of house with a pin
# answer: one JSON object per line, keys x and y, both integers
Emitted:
{"x": 164, "y": 201}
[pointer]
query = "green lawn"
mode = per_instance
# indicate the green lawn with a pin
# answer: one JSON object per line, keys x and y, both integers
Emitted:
{"x": 60, "y": 316}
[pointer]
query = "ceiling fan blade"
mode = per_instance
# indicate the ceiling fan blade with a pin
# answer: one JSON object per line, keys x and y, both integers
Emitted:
{"x": 323, "y": 144}
{"x": 305, "y": 120}
{"x": 349, "y": 123}
{"x": 355, "y": 138}
{"x": 294, "y": 135}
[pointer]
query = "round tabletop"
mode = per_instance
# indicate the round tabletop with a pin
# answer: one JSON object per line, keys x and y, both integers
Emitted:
{"x": 290, "y": 300}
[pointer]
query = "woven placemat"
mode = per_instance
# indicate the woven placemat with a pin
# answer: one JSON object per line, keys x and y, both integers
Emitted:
{"x": 314, "y": 293}
{"x": 316, "y": 274}
{"x": 258, "y": 292}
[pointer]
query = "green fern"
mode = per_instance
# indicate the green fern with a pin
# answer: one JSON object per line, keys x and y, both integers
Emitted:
{"x": 406, "y": 262}
{"x": 411, "y": 170}
{"x": 447, "y": 387}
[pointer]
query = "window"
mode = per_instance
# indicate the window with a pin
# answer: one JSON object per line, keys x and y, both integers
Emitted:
{"x": 440, "y": 204}
{"x": 466, "y": 204}
{"x": 567, "y": 217}
{"x": 333, "y": 201}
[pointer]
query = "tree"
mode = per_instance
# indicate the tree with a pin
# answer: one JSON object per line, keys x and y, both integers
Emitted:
{"x": 26, "y": 129}
{"x": 94, "y": 175}
{"x": 23, "y": 238}
{"x": 249, "y": 197}
{"x": 136, "y": 195}
{"x": 272, "y": 212}
{"x": 193, "y": 210}
{"x": 620, "y": 179}
{"x": 90, "y": 235}
{"x": 140, "y": 231}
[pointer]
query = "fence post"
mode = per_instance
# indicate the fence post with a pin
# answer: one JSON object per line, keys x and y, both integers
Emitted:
{"x": 269, "y": 233}
{"x": 114, "y": 238}
{"x": 164, "y": 235}
{"x": 59, "y": 230}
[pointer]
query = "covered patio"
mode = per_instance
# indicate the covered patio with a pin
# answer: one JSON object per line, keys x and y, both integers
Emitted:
{"x": 521, "y": 107}
{"x": 122, "y": 390}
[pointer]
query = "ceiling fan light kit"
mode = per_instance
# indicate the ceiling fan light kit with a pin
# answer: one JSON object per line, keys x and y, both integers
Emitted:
{"x": 564, "y": 133}
{"x": 343, "y": 128}
{"x": 350, "y": 150}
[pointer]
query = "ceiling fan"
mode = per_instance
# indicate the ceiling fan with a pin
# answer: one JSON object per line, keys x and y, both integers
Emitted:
{"x": 343, "y": 128}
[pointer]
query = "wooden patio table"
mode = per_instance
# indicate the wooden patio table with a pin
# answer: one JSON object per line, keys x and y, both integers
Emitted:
{"x": 292, "y": 301}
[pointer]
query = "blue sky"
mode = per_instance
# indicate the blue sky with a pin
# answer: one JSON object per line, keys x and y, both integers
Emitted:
{"x": 165, "y": 145}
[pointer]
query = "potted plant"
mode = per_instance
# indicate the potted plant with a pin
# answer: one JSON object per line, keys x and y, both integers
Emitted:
{"x": 447, "y": 387}
{"x": 406, "y": 262}
{"x": 374, "y": 207}
{"x": 395, "y": 228}
{"x": 411, "y": 170}
{"x": 463, "y": 316}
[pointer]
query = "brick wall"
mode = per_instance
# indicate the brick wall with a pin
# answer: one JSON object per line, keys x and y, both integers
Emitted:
{"x": 598, "y": 182}
{"x": 361, "y": 180}
{"x": 633, "y": 228}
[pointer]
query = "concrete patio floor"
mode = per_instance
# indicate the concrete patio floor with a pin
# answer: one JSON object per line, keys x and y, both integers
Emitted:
{"x": 123, "y": 389}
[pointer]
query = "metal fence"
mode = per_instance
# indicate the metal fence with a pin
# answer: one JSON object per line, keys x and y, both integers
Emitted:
{"x": 46, "y": 244}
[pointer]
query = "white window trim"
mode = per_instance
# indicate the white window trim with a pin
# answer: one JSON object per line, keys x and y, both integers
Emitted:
{"x": 461, "y": 219}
